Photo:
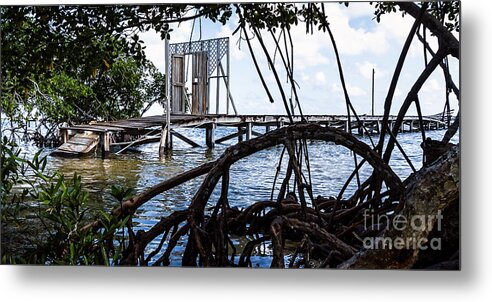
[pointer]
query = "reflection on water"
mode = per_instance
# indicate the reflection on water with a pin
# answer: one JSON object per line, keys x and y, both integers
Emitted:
{"x": 251, "y": 179}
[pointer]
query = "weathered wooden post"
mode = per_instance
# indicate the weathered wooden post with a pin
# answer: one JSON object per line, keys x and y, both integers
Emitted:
{"x": 166, "y": 139}
{"x": 239, "y": 134}
{"x": 217, "y": 99}
{"x": 248, "y": 131}
{"x": 166, "y": 142}
{"x": 210, "y": 135}
{"x": 280, "y": 123}
{"x": 64, "y": 135}
{"x": 372, "y": 98}
{"x": 228, "y": 80}
{"x": 104, "y": 143}
{"x": 107, "y": 142}
{"x": 101, "y": 143}
{"x": 267, "y": 128}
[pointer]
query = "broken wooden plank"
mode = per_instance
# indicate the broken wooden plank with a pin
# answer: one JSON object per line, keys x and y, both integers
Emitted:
{"x": 79, "y": 145}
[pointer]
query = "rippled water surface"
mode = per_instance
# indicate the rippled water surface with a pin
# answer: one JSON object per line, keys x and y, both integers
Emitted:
{"x": 251, "y": 179}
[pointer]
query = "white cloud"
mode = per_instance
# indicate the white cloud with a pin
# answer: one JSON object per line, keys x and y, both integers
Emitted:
{"x": 354, "y": 42}
{"x": 351, "y": 90}
{"x": 154, "y": 50}
{"x": 316, "y": 49}
{"x": 356, "y": 91}
{"x": 432, "y": 85}
{"x": 355, "y": 10}
{"x": 309, "y": 50}
{"x": 351, "y": 40}
{"x": 155, "y": 45}
{"x": 305, "y": 77}
{"x": 365, "y": 69}
{"x": 320, "y": 78}
{"x": 396, "y": 26}
{"x": 226, "y": 31}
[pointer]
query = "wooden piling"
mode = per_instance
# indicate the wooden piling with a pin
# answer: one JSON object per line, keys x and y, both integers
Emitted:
{"x": 166, "y": 142}
{"x": 104, "y": 143}
{"x": 210, "y": 135}
{"x": 248, "y": 131}
{"x": 217, "y": 94}
{"x": 280, "y": 123}
{"x": 64, "y": 135}
{"x": 240, "y": 134}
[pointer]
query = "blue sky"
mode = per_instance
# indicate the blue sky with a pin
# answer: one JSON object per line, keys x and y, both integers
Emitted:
{"x": 363, "y": 44}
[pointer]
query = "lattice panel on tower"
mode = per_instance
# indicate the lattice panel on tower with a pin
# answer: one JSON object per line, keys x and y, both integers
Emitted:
{"x": 216, "y": 49}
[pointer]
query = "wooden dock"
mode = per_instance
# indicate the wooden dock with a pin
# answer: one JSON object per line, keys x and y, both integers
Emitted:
{"x": 137, "y": 131}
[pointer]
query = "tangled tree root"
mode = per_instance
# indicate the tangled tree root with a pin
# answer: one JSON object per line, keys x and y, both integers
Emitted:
{"x": 328, "y": 231}
{"x": 433, "y": 194}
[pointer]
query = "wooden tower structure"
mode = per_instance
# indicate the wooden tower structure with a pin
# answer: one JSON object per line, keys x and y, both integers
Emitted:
{"x": 206, "y": 63}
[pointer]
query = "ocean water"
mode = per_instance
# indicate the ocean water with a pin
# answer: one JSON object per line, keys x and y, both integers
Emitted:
{"x": 251, "y": 179}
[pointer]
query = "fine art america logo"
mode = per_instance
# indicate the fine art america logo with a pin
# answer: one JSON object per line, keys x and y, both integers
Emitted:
{"x": 415, "y": 224}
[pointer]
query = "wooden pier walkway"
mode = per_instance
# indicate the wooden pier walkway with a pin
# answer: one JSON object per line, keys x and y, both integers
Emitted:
{"x": 136, "y": 131}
